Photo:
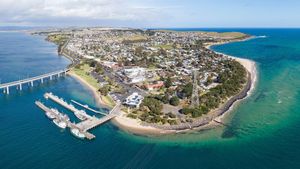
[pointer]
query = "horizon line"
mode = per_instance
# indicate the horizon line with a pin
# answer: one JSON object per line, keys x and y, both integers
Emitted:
{"x": 213, "y": 27}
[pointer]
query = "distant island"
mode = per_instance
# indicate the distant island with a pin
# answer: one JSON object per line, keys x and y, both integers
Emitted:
{"x": 165, "y": 81}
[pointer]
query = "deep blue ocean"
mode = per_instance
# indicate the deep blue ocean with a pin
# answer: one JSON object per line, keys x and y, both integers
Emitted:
{"x": 262, "y": 131}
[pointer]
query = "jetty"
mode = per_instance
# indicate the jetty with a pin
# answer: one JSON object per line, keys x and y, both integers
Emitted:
{"x": 88, "y": 108}
{"x": 31, "y": 80}
{"x": 81, "y": 114}
{"x": 92, "y": 123}
{"x": 84, "y": 126}
{"x": 69, "y": 124}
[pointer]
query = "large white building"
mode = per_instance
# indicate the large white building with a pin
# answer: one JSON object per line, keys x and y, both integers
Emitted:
{"x": 134, "y": 100}
{"x": 135, "y": 75}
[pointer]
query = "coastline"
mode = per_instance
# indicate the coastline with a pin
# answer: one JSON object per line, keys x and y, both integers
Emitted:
{"x": 251, "y": 68}
{"x": 96, "y": 94}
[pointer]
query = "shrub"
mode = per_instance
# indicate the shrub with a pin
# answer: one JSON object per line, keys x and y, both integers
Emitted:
{"x": 174, "y": 101}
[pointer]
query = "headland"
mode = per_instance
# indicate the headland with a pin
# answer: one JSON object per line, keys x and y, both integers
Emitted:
{"x": 108, "y": 78}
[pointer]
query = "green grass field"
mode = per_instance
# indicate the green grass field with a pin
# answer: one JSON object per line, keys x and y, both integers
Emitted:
{"x": 83, "y": 72}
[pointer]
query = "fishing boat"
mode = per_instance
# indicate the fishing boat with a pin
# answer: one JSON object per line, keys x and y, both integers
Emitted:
{"x": 81, "y": 115}
{"x": 50, "y": 115}
{"x": 77, "y": 133}
{"x": 60, "y": 124}
{"x": 64, "y": 117}
{"x": 55, "y": 111}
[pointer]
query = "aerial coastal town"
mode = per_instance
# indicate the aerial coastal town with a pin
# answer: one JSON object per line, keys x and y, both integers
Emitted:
{"x": 164, "y": 79}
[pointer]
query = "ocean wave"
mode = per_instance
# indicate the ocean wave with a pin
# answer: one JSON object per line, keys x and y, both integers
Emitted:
{"x": 261, "y": 36}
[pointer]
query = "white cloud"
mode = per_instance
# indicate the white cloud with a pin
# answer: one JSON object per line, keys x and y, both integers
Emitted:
{"x": 32, "y": 10}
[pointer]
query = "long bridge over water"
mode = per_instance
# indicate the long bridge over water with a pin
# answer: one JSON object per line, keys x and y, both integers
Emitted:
{"x": 31, "y": 80}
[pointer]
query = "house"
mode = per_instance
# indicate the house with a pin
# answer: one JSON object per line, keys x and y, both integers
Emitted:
{"x": 110, "y": 65}
{"x": 153, "y": 86}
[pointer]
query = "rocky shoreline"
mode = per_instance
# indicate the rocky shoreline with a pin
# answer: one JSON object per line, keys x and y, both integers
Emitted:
{"x": 207, "y": 119}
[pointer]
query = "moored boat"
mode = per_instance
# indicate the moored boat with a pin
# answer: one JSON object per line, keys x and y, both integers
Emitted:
{"x": 55, "y": 111}
{"x": 50, "y": 115}
{"x": 64, "y": 117}
{"x": 80, "y": 115}
{"x": 60, "y": 124}
{"x": 77, "y": 133}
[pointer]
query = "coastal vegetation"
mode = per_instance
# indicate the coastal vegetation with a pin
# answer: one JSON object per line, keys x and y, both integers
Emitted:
{"x": 231, "y": 82}
{"x": 83, "y": 70}
{"x": 59, "y": 39}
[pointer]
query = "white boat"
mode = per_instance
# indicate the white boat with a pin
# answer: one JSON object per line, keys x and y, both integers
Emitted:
{"x": 55, "y": 111}
{"x": 60, "y": 124}
{"x": 80, "y": 115}
{"x": 64, "y": 117}
{"x": 77, "y": 133}
{"x": 50, "y": 115}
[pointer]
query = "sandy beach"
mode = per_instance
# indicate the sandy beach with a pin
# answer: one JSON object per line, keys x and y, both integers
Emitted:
{"x": 96, "y": 94}
{"x": 249, "y": 65}
{"x": 134, "y": 126}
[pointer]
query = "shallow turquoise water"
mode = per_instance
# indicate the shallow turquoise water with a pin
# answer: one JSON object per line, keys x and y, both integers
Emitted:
{"x": 263, "y": 130}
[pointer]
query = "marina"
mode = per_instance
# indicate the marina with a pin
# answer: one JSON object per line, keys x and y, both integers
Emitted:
{"x": 81, "y": 129}
{"x": 81, "y": 114}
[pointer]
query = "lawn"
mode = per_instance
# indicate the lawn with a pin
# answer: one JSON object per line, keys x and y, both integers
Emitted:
{"x": 83, "y": 72}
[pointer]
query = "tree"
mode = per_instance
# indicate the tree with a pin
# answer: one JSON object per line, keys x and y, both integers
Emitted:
{"x": 93, "y": 63}
{"x": 104, "y": 90}
{"x": 78, "y": 66}
{"x": 138, "y": 51}
{"x": 186, "y": 110}
{"x": 196, "y": 113}
{"x": 168, "y": 82}
{"x": 99, "y": 69}
{"x": 179, "y": 64}
{"x": 188, "y": 90}
{"x": 174, "y": 101}
{"x": 154, "y": 105}
{"x": 163, "y": 52}
{"x": 165, "y": 98}
{"x": 209, "y": 81}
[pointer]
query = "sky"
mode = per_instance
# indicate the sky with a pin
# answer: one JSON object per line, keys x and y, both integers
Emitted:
{"x": 151, "y": 13}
